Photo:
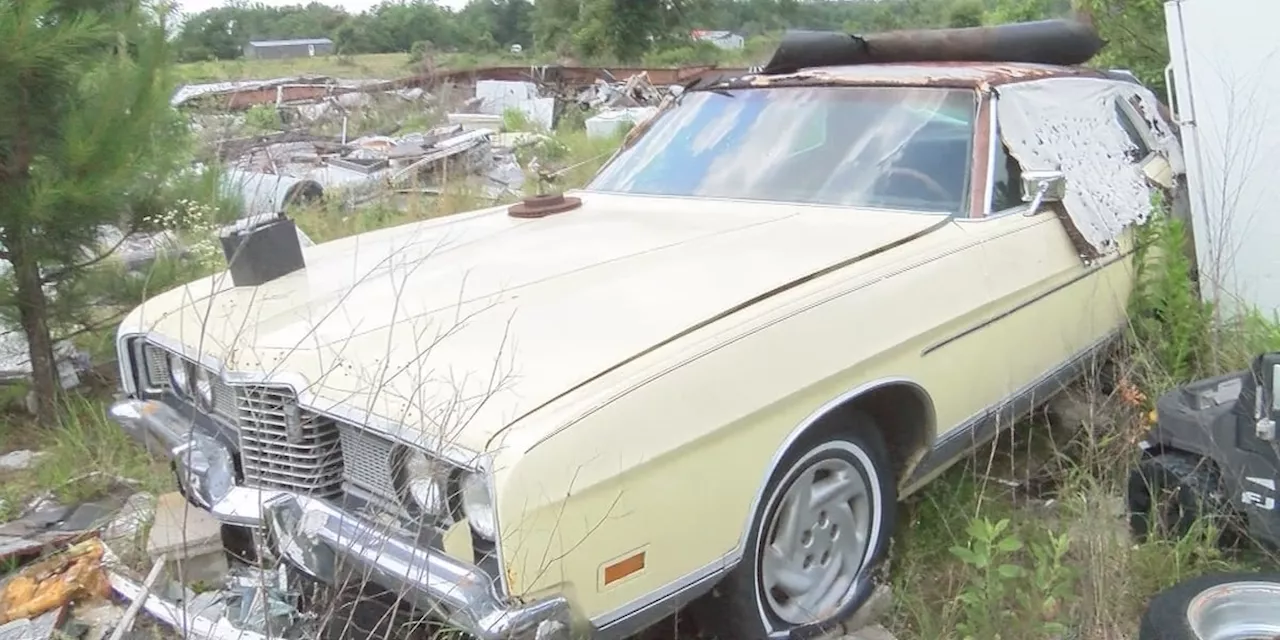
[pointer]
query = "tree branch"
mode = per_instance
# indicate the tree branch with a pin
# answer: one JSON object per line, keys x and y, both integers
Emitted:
{"x": 65, "y": 271}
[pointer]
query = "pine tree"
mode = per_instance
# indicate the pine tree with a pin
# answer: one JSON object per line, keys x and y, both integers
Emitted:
{"x": 86, "y": 131}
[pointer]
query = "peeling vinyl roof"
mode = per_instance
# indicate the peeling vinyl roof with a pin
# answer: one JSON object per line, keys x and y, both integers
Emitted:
{"x": 940, "y": 74}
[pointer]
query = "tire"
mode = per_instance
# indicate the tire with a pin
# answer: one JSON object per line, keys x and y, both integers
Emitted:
{"x": 742, "y": 608}
{"x": 1170, "y": 491}
{"x": 1217, "y": 606}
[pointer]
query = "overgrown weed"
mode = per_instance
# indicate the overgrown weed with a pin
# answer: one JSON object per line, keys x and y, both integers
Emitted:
{"x": 85, "y": 457}
{"x": 1062, "y": 561}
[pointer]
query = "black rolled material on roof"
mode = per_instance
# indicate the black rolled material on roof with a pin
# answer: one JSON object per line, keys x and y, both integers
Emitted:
{"x": 1058, "y": 42}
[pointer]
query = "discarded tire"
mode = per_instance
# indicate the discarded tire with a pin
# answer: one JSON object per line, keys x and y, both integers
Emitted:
{"x": 1216, "y": 606}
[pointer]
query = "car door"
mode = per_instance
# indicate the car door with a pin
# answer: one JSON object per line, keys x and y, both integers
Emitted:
{"x": 1046, "y": 305}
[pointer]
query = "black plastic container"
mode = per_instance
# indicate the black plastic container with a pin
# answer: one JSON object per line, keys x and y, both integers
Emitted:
{"x": 261, "y": 248}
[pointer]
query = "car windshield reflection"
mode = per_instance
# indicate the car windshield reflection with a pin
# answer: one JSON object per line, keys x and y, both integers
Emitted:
{"x": 906, "y": 148}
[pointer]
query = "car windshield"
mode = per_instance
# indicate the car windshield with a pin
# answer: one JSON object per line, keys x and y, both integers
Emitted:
{"x": 884, "y": 147}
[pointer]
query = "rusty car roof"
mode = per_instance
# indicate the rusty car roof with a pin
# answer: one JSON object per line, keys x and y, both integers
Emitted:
{"x": 933, "y": 74}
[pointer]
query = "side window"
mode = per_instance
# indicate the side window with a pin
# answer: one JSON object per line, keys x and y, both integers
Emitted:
{"x": 1140, "y": 148}
{"x": 1007, "y": 183}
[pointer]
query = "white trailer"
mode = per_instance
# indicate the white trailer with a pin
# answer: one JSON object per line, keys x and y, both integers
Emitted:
{"x": 1224, "y": 79}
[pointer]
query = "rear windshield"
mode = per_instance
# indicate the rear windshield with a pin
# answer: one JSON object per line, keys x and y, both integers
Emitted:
{"x": 884, "y": 147}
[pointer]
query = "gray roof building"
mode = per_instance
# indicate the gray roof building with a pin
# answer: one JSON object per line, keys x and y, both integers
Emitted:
{"x": 301, "y": 48}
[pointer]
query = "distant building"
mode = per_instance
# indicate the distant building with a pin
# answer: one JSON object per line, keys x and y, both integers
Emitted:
{"x": 306, "y": 48}
{"x": 722, "y": 39}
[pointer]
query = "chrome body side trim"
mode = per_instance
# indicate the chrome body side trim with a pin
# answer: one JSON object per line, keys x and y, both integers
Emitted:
{"x": 943, "y": 452}
{"x": 984, "y": 425}
{"x": 635, "y": 616}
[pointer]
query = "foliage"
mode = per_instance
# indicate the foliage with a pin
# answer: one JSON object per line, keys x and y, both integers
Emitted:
{"x": 988, "y": 552}
{"x": 390, "y": 27}
{"x": 602, "y": 30}
{"x": 1175, "y": 337}
{"x": 86, "y": 133}
{"x": 514, "y": 119}
{"x": 86, "y": 456}
{"x": 1050, "y": 583}
{"x": 1135, "y": 35}
{"x": 966, "y": 13}
{"x": 1168, "y": 320}
{"x": 263, "y": 117}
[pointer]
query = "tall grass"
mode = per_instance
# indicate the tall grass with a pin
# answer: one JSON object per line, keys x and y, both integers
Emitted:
{"x": 959, "y": 574}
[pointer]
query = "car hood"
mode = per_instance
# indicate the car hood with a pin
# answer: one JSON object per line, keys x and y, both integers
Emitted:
{"x": 455, "y": 327}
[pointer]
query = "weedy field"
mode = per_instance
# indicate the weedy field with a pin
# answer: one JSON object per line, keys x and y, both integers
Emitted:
{"x": 1027, "y": 539}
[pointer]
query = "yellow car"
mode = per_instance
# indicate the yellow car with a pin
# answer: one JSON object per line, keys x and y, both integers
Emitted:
{"x": 790, "y": 301}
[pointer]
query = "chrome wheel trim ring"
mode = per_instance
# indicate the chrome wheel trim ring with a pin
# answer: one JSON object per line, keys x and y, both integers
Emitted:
{"x": 1244, "y": 610}
{"x": 823, "y": 524}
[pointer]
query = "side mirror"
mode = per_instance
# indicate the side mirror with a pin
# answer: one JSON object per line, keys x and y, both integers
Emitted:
{"x": 1039, "y": 187}
{"x": 1268, "y": 409}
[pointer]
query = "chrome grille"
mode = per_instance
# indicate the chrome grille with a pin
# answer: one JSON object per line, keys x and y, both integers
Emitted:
{"x": 311, "y": 462}
{"x": 224, "y": 399}
{"x": 157, "y": 366}
{"x": 314, "y": 462}
{"x": 369, "y": 463}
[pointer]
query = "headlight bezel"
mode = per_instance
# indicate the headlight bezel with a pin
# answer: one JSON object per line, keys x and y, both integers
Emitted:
{"x": 473, "y": 486}
{"x": 179, "y": 375}
{"x": 202, "y": 386}
{"x": 417, "y": 472}
{"x": 466, "y": 493}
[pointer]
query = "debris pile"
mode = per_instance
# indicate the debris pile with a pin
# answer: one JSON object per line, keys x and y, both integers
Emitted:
{"x": 269, "y": 177}
{"x": 71, "y": 578}
{"x": 347, "y": 141}
{"x": 621, "y": 105}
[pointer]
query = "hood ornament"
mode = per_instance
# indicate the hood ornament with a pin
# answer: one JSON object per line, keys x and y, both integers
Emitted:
{"x": 543, "y": 205}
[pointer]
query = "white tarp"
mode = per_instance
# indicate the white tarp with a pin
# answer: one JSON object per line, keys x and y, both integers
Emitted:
{"x": 1071, "y": 125}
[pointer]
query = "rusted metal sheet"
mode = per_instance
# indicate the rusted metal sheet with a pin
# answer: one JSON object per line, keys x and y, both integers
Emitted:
{"x": 564, "y": 75}
{"x": 247, "y": 98}
{"x": 238, "y": 98}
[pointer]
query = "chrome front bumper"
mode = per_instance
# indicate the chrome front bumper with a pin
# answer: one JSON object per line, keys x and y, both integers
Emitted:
{"x": 318, "y": 537}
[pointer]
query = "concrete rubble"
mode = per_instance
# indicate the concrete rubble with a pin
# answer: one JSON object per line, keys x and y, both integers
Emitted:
{"x": 20, "y": 460}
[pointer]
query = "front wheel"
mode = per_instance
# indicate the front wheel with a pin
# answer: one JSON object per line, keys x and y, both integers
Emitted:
{"x": 823, "y": 526}
{"x": 1218, "y": 606}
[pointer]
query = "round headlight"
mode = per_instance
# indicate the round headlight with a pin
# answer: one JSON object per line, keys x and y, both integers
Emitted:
{"x": 203, "y": 387}
{"x": 423, "y": 484}
{"x": 477, "y": 505}
{"x": 178, "y": 375}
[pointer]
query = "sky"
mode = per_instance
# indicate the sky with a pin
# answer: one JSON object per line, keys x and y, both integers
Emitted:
{"x": 352, "y": 6}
